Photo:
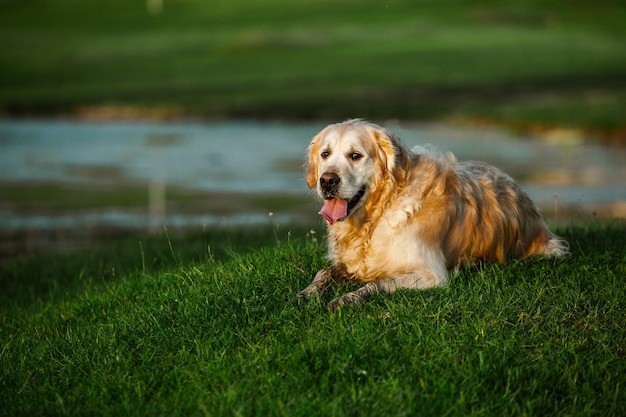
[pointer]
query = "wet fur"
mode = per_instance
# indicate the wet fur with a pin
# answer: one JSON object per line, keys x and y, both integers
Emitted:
{"x": 423, "y": 214}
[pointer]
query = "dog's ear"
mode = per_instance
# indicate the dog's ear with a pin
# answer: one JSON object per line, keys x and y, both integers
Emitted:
{"x": 392, "y": 156}
{"x": 386, "y": 146}
{"x": 311, "y": 162}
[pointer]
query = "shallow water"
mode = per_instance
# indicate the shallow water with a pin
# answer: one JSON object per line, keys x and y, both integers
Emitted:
{"x": 266, "y": 158}
{"x": 238, "y": 157}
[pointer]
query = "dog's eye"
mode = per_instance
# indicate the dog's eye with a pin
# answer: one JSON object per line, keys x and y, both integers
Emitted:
{"x": 325, "y": 154}
{"x": 355, "y": 156}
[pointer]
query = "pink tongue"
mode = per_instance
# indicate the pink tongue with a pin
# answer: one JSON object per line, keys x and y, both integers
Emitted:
{"x": 334, "y": 209}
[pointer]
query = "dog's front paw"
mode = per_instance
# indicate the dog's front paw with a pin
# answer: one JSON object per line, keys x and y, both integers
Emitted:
{"x": 354, "y": 298}
{"x": 308, "y": 292}
{"x": 349, "y": 299}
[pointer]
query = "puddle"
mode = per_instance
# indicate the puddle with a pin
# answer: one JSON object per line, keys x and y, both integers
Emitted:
{"x": 234, "y": 157}
{"x": 250, "y": 158}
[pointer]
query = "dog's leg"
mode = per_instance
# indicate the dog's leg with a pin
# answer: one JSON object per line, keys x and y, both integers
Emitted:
{"x": 320, "y": 283}
{"x": 323, "y": 279}
{"x": 354, "y": 298}
{"x": 421, "y": 279}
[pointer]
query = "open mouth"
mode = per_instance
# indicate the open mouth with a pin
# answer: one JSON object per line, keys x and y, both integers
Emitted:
{"x": 336, "y": 209}
{"x": 355, "y": 200}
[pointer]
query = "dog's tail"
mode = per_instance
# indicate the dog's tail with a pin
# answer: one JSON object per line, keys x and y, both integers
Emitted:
{"x": 546, "y": 243}
{"x": 556, "y": 247}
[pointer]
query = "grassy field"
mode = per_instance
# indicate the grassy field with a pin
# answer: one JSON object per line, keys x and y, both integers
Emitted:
{"x": 526, "y": 64}
{"x": 207, "y": 324}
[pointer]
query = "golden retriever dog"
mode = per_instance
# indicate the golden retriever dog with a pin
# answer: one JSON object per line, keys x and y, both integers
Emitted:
{"x": 404, "y": 219}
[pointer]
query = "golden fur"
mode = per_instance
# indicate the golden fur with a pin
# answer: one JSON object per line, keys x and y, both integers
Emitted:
{"x": 421, "y": 213}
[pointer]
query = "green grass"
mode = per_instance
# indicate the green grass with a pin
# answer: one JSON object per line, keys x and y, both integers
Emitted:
{"x": 207, "y": 324}
{"x": 551, "y": 63}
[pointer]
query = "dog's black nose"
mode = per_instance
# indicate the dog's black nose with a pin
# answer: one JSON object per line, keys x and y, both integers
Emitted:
{"x": 329, "y": 179}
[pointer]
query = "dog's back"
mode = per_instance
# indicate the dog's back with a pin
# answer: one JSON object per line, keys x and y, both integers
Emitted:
{"x": 496, "y": 220}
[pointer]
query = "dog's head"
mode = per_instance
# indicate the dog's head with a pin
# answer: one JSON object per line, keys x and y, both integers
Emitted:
{"x": 348, "y": 162}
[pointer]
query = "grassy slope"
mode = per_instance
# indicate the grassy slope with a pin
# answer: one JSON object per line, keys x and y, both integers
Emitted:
{"x": 165, "y": 328}
{"x": 520, "y": 62}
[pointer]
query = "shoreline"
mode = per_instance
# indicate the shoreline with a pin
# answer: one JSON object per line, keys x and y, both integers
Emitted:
{"x": 610, "y": 136}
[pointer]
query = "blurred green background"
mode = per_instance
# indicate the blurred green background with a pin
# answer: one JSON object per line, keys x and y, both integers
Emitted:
{"x": 526, "y": 64}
